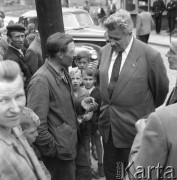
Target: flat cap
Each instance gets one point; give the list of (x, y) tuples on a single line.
[(15, 27)]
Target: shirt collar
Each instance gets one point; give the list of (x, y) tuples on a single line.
[(19, 50), (127, 50)]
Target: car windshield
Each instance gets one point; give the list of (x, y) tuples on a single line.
[(76, 20)]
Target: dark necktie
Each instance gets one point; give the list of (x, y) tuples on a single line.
[(115, 74)]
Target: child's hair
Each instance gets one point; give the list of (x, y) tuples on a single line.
[(28, 119), (75, 71), (83, 54)]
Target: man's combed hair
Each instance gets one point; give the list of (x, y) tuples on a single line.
[(83, 54), (9, 70), (121, 19)]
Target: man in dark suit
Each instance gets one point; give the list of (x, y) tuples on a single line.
[(133, 82), (171, 14), (111, 8), (158, 9), (16, 51)]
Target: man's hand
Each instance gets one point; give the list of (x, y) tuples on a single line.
[(88, 116), (89, 104)]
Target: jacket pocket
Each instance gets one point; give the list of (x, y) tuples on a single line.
[(66, 141)]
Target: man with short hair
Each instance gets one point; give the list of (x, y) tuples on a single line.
[(154, 147), (16, 51), (144, 25), (158, 8), (50, 96), (133, 82), (17, 160)]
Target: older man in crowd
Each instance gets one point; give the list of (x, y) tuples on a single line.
[(50, 96), (17, 160), (153, 154), (15, 50), (133, 82)]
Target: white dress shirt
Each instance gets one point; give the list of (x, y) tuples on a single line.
[(124, 57)]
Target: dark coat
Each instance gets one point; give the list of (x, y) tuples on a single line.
[(14, 55), (171, 9), (101, 14), (158, 8)]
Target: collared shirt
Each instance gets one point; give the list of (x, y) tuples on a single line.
[(124, 57), (19, 50)]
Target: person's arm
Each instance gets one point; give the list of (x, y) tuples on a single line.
[(38, 101), (152, 152), (32, 60), (158, 80), (138, 25)]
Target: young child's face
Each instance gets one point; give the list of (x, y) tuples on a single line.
[(82, 63), (88, 81), (31, 134), (76, 80)]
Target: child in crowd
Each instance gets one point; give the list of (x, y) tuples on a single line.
[(29, 123), (89, 80), (83, 168), (82, 60)]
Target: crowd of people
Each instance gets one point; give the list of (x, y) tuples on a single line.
[(56, 114)]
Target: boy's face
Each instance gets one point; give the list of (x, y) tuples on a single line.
[(76, 80), (88, 81), (82, 63), (31, 134)]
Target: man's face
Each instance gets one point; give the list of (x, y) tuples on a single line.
[(88, 81), (12, 101), (67, 59), (82, 63), (172, 59), (118, 40), (76, 80), (17, 39)]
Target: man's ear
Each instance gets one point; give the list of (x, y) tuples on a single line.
[(60, 54)]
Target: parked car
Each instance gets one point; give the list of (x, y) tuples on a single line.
[(79, 24)]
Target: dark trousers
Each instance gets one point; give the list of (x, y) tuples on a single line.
[(115, 160), (60, 169), (144, 38), (158, 23), (171, 23)]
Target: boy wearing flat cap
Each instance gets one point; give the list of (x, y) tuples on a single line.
[(15, 51)]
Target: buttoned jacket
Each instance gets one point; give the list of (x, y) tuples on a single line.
[(142, 86)]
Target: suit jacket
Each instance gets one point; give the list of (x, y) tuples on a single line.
[(144, 23), (33, 56), (14, 55), (142, 86), (173, 97), (171, 9), (158, 8), (158, 144), (18, 161), (101, 14)]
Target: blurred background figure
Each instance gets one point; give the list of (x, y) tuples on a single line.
[(158, 8), (144, 25), (3, 47), (111, 7), (30, 38), (171, 14), (86, 6), (101, 14)]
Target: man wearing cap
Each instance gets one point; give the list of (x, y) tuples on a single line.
[(155, 144), (50, 96), (16, 51)]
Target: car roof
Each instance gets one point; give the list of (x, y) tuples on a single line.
[(33, 13)]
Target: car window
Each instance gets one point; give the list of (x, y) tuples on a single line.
[(70, 21), (76, 20)]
